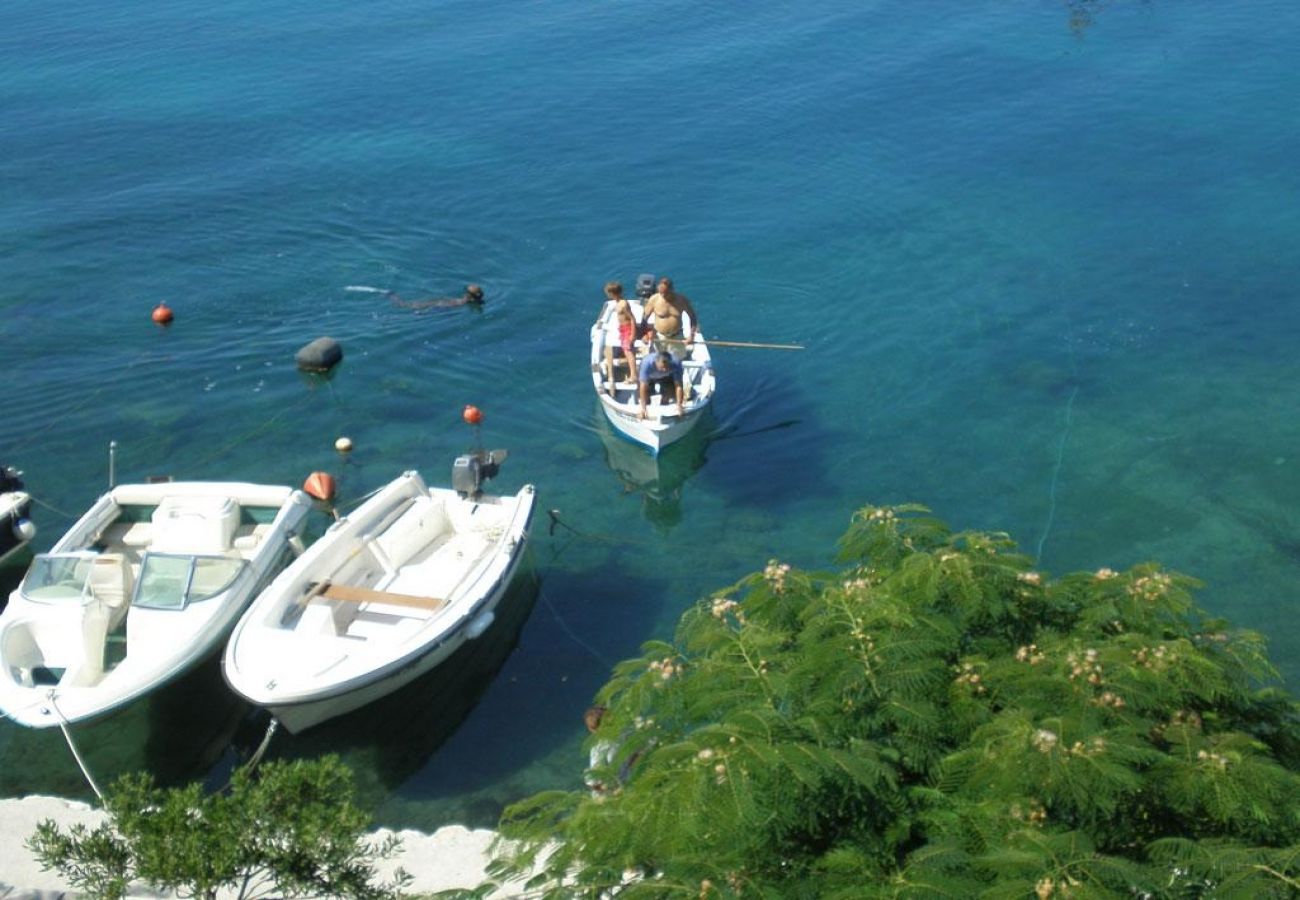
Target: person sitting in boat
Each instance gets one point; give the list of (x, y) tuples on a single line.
[(661, 373), (626, 335), (667, 308)]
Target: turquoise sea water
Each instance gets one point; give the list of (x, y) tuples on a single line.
[(1042, 256)]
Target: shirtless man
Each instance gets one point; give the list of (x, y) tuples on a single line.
[(667, 307)]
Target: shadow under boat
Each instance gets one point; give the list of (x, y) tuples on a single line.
[(658, 479), (177, 733), (387, 741)]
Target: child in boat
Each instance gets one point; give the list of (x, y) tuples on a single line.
[(626, 336)]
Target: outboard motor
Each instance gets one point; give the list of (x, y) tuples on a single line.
[(469, 471), (645, 286), (10, 479)]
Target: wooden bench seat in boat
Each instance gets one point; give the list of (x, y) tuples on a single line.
[(350, 594)]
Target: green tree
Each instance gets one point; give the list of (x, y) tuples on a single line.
[(288, 829), (937, 719)]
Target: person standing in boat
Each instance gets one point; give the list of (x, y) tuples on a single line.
[(660, 372), (626, 335), (666, 309)]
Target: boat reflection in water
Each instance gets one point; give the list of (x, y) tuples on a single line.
[(659, 479), (385, 742)]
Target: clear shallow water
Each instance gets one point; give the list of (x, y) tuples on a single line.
[(1045, 277)]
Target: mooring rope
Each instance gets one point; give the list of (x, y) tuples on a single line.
[(261, 749), (72, 745), (54, 509)]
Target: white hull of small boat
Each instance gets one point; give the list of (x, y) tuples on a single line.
[(619, 398), (385, 595), (145, 586)]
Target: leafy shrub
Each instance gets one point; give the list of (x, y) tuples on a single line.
[(936, 719), (290, 829)]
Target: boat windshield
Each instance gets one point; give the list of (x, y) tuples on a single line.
[(171, 581), (57, 577)]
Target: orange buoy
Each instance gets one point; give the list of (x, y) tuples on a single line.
[(472, 415), (320, 485), (162, 314)]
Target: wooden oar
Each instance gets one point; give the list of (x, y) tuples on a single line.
[(712, 343)]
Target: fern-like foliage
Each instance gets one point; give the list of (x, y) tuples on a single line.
[(937, 719)]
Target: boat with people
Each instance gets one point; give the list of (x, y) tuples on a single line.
[(617, 386), (146, 585), (390, 591), (16, 528)]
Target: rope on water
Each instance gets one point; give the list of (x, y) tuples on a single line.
[(600, 657), (54, 509), (261, 749), (556, 522), (1056, 473), (67, 736)]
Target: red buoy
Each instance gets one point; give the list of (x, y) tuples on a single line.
[(162, 314), (320, 485), (472, 415)]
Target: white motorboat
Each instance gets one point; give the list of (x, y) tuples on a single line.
[(145, 586), (16, 529), (618, 393), (385, 595)]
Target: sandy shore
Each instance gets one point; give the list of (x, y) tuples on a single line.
[(452, 857)]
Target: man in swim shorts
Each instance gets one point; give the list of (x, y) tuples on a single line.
[(663, 374), (667, 308)]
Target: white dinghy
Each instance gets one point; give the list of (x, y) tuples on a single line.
[(385, 595), (618, 392), (145, 586)]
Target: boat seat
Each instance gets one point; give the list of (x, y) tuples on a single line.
[(111, 581), (412, 532), (195, 524), (350, 594)]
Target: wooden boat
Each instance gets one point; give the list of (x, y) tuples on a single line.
[(385, 595), (16, 529), (145, 586), (619, 398)]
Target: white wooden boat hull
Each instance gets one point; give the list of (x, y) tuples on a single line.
[(143, 588), (662, 425), (307, 655)]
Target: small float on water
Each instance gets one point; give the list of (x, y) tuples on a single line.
[(16, 528)]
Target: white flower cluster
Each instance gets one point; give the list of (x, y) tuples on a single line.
[(1085, 666), (1045, 741), (1029, 653), (1151, 587), (775, 574), (1034, 813), (1157, 659), (722, 607), (667, 667), (1217, 760), (968, 676)]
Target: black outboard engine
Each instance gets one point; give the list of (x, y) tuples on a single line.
[(469, 471), (9, 479), (645, 286)]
